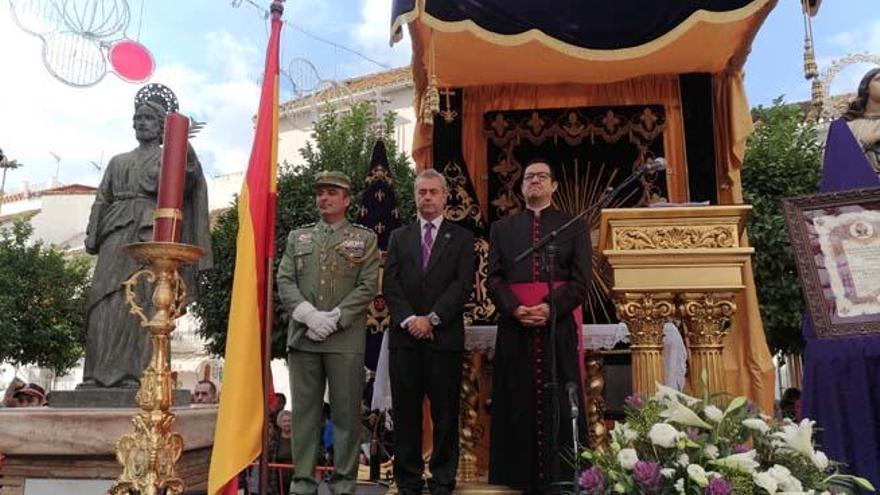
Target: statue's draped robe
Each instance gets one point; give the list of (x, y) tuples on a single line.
[(842, 375), (117, 347)]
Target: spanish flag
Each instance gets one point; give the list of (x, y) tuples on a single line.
[(239, 430)]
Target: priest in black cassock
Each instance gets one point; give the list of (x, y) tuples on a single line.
[(522, 414)]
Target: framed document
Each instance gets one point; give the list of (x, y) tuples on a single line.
[(835, 238)]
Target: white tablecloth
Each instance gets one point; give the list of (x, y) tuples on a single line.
[(597, 337)]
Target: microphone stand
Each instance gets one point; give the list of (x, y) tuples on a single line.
[(572, 389), (547, 245)]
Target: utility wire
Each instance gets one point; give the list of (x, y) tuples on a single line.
[(305, 32)]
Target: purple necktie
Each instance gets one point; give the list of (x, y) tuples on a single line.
[(427, 243)]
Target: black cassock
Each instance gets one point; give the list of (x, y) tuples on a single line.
[(522, 416)]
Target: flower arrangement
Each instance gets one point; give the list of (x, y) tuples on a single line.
[(672, 443)]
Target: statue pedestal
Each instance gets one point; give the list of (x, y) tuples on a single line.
[(46, 445), (91, 398)]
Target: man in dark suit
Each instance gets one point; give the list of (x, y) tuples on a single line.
[(429, 273)]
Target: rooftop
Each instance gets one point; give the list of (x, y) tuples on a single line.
[(28, 193), (354, 86)]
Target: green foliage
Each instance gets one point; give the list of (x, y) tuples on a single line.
[(782, 160), (43, 299), (340, 141)]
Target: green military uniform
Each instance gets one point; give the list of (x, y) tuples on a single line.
[(328, 266)]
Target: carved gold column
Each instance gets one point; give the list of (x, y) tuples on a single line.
[(644, 315), (596, 432), (707, 318), (469, 430), (148, 455)]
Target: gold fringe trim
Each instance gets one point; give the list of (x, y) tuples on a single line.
[(399, 21)]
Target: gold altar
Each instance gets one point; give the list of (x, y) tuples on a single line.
[(682, 263)]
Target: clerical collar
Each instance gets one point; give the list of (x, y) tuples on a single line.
[(436, 222), (537, 211)]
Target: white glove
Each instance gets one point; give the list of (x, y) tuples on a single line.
[(306, 313), (325, 325)]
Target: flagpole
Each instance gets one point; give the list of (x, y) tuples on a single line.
[(267, 377), (277, 9)]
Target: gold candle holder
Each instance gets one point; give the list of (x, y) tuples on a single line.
[(148, 454)]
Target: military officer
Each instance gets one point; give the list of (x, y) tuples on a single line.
[(328, 276)]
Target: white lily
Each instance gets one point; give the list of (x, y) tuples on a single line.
[(766, 481), (797, 437), (676, 412), (744, 462), (698, 474), (713, 413), (786, 482), (663, 435), (756, 424), (669, 394)]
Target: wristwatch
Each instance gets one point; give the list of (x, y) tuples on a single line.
[(433, 318)]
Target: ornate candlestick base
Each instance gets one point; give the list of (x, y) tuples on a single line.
[(148, 455)]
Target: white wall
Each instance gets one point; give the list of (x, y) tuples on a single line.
[(223, 188), (63, 218)]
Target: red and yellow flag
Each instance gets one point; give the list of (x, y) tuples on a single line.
[(238, 434)]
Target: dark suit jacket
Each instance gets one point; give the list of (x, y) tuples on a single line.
[(443, 289)]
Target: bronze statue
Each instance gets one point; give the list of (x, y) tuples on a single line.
[(863, 117), (117, 348)]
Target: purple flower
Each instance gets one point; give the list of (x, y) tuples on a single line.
[(635, 401), (718, 486), (739, 449), (692, 433), (647, 475), (592, 480)]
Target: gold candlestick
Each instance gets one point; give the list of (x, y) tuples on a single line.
[(148, 455)]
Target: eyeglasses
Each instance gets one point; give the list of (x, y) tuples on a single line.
[(541, 176)]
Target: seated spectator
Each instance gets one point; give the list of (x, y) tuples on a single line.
[(204, 393), (282, 454), (9, 399), (789, 405), (31, 395)]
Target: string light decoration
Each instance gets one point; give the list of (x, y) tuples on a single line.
[(83, 40)]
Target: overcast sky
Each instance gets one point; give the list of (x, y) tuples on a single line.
[(210, 52)]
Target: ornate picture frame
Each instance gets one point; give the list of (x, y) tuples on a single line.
[(835, 238)]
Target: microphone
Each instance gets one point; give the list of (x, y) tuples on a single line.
[(572, 388), (655, 165)]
